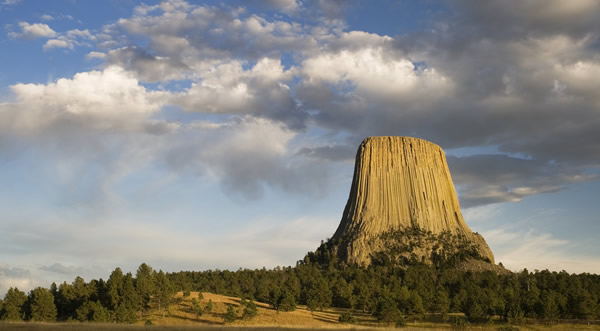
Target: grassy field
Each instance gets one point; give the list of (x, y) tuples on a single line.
[(181, 317)]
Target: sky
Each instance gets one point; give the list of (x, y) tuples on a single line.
[(195, 135)]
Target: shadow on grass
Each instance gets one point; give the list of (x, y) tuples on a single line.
[(94, 326)]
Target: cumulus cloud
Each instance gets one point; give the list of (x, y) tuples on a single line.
[(464, 82), (493, 178), (92, 129), (246, 155), (107, 93), (147, 67), (95, 55), (57, 43), (33, 31), (371, 72), (70, 39), (14, 277), (261, 90), (287, 6), (501, 19)]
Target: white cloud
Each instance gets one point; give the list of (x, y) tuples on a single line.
[(374, 73), (33, 31), (57, 43), (287, 6), (538, 250), (110, 92), (70, 39), (228, 88), (14, 277), (10, 2), (95, 55), (47, 17), (245, 154)]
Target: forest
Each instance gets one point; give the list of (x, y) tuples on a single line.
[(389, 292)]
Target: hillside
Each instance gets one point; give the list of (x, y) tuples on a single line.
[(181, 313)]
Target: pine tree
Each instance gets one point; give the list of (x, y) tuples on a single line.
[(230, 315), (13, 308), (40, 305), (286, 302), (126, 312), (250, 310), (196, 308), (163, 291), (114, 286), (144, 286)]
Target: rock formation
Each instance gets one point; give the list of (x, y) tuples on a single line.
[(402, 189)]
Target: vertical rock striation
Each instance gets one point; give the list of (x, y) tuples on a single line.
[(400, 183)]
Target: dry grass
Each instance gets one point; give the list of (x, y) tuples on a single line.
[(181, 314)]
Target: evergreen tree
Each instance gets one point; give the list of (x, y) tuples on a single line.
[(550, 306), (250, 310), (126, 312), (114, 286), (387, 311), (144, 286), (40, 305), (342, 294), (13, 307), (347, 318), (99, 313), (318, 295), (286, 302), (93, 311), (163, 291), (209, 306), (196, 308), (441, 301), (230, 315)]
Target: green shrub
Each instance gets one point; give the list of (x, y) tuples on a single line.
[(347, 317)]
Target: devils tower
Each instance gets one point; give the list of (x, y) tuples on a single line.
[(403, 200)]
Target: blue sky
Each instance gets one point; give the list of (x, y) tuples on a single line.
[(205, 134)]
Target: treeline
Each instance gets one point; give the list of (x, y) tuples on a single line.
[(122, 298), (389, 292)]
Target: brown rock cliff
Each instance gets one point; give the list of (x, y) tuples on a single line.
[(400, 183)]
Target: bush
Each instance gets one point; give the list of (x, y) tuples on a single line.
[(347, 317), (250, 310), (286, 302), (230, 315), (400, 322)]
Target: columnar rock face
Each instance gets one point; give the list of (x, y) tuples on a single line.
[(400, 183)]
